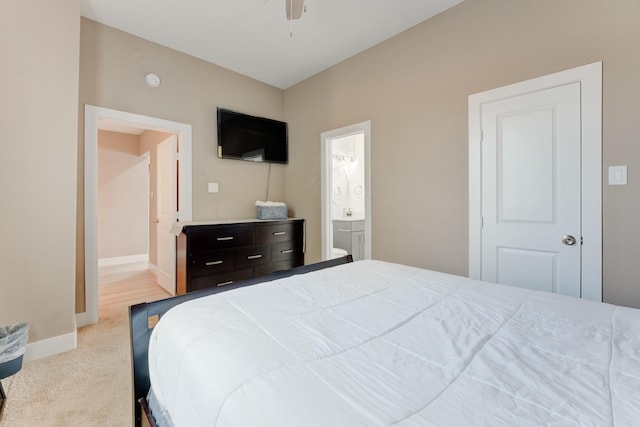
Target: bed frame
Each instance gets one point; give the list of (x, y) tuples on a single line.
[(143, 317)]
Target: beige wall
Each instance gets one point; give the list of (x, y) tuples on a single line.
[(414, 88), (123, 196), (112, 69), (39, 41)]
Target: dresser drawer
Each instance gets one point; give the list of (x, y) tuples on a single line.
[(285, 251), (220, 237), (209, 262), (221, 279), (255, 255), (274, 233)]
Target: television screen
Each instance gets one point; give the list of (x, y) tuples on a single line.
[(245, 137)]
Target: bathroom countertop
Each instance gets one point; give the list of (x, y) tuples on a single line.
[(349, 218)]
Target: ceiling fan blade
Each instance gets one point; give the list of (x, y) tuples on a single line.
[(294, 9)]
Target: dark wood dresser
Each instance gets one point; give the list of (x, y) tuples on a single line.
[(221, 253)]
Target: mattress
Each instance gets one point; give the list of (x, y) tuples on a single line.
[(380, 344)]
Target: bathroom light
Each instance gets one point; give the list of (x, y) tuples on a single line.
[(152, 79)]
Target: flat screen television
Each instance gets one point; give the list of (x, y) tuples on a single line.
[(245, 137)]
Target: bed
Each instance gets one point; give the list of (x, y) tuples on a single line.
[(373, 343)]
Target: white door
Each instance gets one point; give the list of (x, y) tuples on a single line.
[(531, 190), (167, 207)]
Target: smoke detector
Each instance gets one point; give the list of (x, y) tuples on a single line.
[(152, 79)]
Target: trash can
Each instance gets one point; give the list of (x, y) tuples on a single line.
[(13, 343)]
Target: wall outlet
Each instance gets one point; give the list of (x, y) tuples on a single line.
[(213, 187)]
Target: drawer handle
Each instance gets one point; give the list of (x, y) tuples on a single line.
[(254, 257), (344, 230), (213, 263), (279, 233), (286, 251), (222, 239), (224, 283)]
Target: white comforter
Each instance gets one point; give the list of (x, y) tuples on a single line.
[(378, 344)]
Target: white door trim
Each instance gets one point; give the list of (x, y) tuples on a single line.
[(590, 78), (325, 168), (92, 116)]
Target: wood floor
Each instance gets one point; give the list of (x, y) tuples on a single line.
[(123, 285)]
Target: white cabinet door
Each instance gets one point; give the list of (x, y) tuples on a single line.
[(357, 245)]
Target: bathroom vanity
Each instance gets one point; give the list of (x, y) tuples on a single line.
[(348, 234)]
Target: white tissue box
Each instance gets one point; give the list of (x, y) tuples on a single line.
[(271, 211)]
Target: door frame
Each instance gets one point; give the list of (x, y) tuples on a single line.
[(92, 116), (590, 78), (326, 184)]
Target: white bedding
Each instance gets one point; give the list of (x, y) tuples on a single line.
[(377, 344)]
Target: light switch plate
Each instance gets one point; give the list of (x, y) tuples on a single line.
[(618, 175), (213, 187)]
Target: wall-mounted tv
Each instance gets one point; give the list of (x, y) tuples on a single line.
[(245, 137)]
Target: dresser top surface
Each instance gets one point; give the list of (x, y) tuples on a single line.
[(177, 228)]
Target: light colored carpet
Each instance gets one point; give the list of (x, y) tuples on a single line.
[(89, 386)]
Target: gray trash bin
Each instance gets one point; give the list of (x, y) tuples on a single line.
[(13, 343)]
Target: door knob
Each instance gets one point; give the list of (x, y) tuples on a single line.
[(156, 221), (568, 240)]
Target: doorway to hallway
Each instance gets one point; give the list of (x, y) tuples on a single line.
[(94, 118)]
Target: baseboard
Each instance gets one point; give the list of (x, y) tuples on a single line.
[(51, 346), (153, 268), (103, 262), (86, 319)]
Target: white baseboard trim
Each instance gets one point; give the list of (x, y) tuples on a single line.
[(86, 319), (103, 262), (153, 268), (51, 346)]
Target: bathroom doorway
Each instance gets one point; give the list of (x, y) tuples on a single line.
[(346, 192)]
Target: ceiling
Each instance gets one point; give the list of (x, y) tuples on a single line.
[(253, 37)]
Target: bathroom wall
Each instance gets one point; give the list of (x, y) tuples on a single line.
[(348, 176)]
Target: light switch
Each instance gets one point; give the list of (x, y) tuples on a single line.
[(213, 187), (618, 175)]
